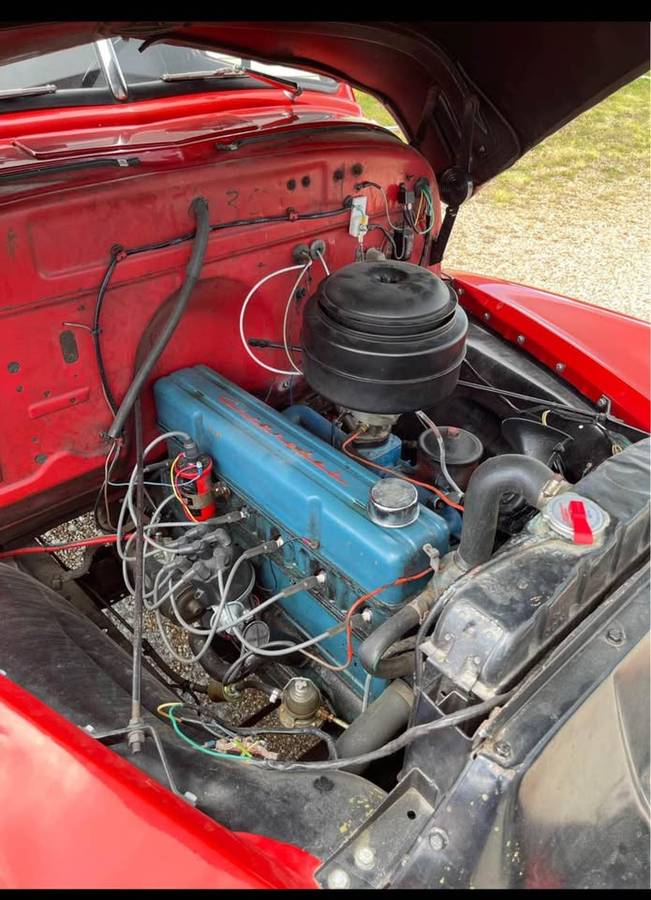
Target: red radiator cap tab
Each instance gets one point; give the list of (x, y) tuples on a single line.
[(576, 518), (579, 520)]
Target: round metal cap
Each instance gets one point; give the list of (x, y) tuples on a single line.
[(393, 503), (556, 514), (257, 633)]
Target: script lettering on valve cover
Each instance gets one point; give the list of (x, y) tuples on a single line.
[(264, 426)]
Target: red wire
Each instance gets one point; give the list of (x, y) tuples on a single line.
[(54, 548), (396, 474), (357, 604)]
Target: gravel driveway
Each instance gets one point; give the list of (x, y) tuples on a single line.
[(582, 243)]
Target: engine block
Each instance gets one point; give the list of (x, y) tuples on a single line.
[(297, 486)]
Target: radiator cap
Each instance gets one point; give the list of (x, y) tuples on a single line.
[(557, 513), (393, 503)]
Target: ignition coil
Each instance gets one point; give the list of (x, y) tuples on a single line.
[(193, 481)]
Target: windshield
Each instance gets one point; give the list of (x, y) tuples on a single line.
[(115, 70)]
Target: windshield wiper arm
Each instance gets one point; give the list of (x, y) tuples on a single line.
[(283, 83), (230, 72), (35, 91)]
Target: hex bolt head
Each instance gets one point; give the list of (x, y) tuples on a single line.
[(364, 858), (486, 317), (438, 839), (520, 339), (503, 749), (338, 880), (560, 366), (615, 636)]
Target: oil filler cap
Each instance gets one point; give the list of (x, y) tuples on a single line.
[(393, 503), (576, 518)]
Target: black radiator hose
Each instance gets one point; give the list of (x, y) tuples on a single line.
[(509, 473), (199, 207), (383, 719), (372, 651)]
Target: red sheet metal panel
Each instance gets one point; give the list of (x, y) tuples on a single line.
[(599, 351), (76, 815)]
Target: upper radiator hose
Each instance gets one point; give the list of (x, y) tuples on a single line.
[(513, 473)]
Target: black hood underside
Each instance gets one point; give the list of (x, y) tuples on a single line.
[(524, 80)]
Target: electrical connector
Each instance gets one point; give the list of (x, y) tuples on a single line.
[(420, 185), (358, 218), (406, 196)]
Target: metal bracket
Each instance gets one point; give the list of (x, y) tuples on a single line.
[(110, 737), (376, 850)]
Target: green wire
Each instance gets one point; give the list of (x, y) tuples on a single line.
[(188, 740)]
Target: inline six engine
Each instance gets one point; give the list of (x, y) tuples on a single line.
[(380, 339)]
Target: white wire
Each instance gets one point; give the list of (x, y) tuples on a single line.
[(211, 632), (108, 468), (323, 262), (288, 307), (286, 317), (367, 692), (427, 230), (439, 440), (288, 650), (126, 559), (132, 478), (186, 660), (129, 500), (386, 207), (164, 572), (158, 484), (250, 613), (247, 300)]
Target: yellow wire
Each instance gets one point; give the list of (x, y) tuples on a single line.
[(240, 746), (163, 706), (420, 208), (176, 493)]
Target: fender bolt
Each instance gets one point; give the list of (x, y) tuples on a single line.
[(438, 839), (503, 749), (615, 636), (338, 880), (365, 858)]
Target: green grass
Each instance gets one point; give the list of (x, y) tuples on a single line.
[(373, 109), (610, 142)]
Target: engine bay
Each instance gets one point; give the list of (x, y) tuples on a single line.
[(387, 519)]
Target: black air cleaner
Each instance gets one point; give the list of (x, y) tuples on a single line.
[(383, 337)]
